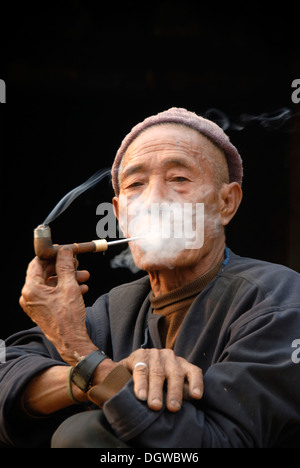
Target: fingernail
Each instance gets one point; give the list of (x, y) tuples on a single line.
[(175, 404), (197, 392), (156, 402), (143, 395), (66, 252)]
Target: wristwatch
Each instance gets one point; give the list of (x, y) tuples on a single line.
[(82, 373)]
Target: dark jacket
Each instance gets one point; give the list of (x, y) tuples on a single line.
[(240, 330)]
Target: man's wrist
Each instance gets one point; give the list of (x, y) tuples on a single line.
[(82, 373), (101, 371), (76, 353), (110, 386)]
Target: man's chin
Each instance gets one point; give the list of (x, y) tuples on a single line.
[(155, 261)]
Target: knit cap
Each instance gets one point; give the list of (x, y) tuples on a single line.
[(184, 117)]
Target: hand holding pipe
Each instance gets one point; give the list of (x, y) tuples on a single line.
[(45, 250)]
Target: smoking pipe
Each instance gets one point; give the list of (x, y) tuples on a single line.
[(45, 250)]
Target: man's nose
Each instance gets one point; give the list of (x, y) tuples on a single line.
[(156, 191)]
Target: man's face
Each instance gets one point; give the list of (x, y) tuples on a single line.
[(167, 166)]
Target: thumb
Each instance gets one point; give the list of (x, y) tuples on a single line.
[(65, 265)]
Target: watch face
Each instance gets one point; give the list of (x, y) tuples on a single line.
[(79, 381), (83, 371)]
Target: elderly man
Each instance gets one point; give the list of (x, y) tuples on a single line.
[(139, 352)]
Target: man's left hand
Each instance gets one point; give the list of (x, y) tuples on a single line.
[(151, 368)]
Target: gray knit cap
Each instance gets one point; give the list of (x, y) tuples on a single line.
[(190, 119)]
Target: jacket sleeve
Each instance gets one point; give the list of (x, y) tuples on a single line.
[(28, 353), (251, 395)]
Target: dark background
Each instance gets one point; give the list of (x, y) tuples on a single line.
[(79, 75)]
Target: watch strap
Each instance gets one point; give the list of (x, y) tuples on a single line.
[(82, 373)]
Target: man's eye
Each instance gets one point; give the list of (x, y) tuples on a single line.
[(179, 179), (135, 184)]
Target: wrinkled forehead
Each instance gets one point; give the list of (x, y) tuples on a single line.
[(169, 141)]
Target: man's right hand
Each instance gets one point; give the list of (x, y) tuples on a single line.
[(56, 305)]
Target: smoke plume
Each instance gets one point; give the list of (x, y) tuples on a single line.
[(66, 201), (268, 120)]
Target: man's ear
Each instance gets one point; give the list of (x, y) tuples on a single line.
[(230, 199), (115, 202)]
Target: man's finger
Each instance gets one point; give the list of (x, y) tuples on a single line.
[(175, 380), (137, 363), (65, 265), (82, 276), (35, 271), (83, 288), (194, 378), (140, 378), (49, 270), (156, 381)]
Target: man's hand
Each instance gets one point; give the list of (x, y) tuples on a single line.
[(56, 305), (184, 380)]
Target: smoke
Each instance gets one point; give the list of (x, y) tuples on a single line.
[(180, 224), (166, 229), (271, 121), (66, 201), (124, 260)]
